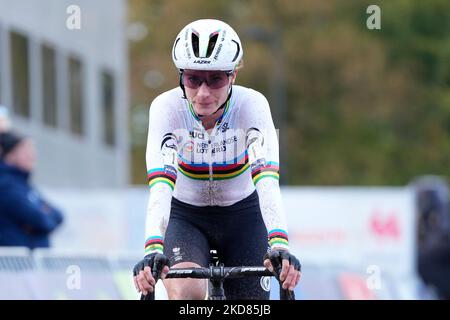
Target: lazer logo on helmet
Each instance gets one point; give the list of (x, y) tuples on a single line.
[(219, 48), (202, 61), (223, 35)]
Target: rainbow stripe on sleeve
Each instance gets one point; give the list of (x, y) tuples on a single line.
[(159, 175), (270, 170), (278, 238), (154, 244)]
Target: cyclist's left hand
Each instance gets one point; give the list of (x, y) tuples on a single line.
[(290, 267)]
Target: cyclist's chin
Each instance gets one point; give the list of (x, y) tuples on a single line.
[(205, 108)]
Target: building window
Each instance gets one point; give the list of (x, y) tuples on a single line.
[(20, 74), (108, 108), (76, 96), (49, 86)]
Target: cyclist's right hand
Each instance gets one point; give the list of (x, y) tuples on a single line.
[(143, 272)]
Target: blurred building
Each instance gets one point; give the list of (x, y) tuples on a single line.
[(64, 76)]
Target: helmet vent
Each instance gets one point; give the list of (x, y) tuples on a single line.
[(211, 44), (237, 51), (174, 46), (195, 44)]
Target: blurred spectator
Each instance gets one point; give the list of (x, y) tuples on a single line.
[(25, 218), (5, 122), (434, 233)]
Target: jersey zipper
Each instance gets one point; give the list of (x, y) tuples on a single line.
[(210, 160), (210, 152)]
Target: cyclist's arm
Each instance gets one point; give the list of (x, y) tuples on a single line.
[(262, 148), (161, 159)]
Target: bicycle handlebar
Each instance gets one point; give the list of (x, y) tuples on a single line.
[(218, 272), (222, 273)]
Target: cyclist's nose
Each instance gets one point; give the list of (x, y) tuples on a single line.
[(203, 90)]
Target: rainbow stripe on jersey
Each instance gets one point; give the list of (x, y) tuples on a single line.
[(270, 170), (154, 244), (278, 238), (159, 175), (220, 171)]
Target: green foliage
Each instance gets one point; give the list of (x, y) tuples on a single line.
[(363, 107)]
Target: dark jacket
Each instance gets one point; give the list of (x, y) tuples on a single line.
[(25, 218)]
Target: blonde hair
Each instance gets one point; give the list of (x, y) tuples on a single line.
[(240, 65)]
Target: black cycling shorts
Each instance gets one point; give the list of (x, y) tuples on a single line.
[(237, 232)]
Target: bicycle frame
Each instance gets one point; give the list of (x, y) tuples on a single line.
[(217, 275)]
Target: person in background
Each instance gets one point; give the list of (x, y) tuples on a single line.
[(26, 219), (433, 256)]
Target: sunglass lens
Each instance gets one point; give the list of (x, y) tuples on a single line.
[(214, 81)]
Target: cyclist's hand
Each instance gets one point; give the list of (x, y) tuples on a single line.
[(143, 277), (290, 267)]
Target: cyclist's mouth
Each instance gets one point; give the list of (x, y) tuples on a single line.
[(204, 105)]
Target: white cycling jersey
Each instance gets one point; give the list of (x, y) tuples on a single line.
[(215, 168)]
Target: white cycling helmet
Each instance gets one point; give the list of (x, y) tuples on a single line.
[(207, 44)]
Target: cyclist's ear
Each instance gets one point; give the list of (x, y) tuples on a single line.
[(233, 76)]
